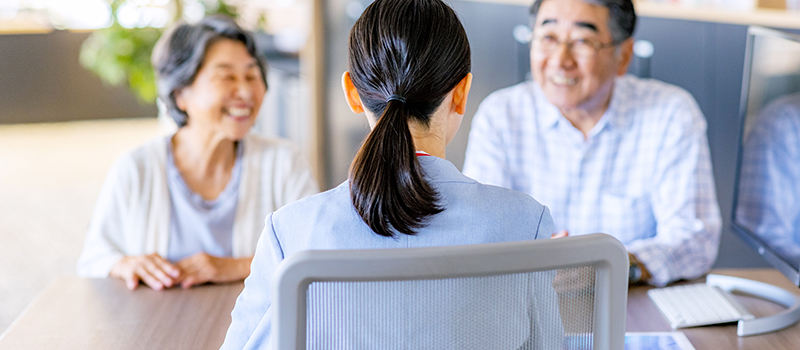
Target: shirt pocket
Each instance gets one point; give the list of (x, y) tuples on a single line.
[(627, 217)]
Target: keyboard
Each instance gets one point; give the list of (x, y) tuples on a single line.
[(697, 305)]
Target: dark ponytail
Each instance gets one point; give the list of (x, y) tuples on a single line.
[(405, 56)]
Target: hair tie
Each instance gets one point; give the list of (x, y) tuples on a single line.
[(396, 98)]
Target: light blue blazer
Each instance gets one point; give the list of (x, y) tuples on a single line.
[(474, 213)]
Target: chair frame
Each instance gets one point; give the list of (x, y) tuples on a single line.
[(603, 252)]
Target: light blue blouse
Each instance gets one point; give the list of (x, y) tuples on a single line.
[(474, 213), (198, 225)]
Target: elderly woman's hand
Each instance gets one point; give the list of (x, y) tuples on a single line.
[(154, 270), (202, 268)]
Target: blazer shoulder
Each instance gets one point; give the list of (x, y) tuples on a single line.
[(328, 202), (513, 199), (495, 199)]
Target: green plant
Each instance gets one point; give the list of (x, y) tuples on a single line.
[(120, 55)]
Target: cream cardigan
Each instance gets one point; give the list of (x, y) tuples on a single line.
[(132, 213)]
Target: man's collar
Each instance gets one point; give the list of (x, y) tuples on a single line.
[(615, 115), (621, 99), (547, 114)]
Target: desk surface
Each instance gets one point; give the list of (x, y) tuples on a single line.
[(644, 317), (76, 313)]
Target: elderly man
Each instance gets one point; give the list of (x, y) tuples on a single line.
[(606, 152)]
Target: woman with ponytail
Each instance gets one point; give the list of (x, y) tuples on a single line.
[(409, 73)]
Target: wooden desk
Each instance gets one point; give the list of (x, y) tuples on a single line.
[(644, 317), (76, 313)]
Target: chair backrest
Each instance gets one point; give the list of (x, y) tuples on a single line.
[(567, 293)]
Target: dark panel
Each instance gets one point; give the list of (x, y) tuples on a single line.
[(498, 61), (41, 80), (679, 56)]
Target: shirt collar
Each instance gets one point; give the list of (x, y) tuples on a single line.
[(615, 116), (548, 115), (617, 113)]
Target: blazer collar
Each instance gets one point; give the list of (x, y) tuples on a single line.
[(441, 170)]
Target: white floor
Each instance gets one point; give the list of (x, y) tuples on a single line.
[(50, 175)]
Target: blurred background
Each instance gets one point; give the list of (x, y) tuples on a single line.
[(77, 89)]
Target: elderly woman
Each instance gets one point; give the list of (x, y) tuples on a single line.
[(188, 208)]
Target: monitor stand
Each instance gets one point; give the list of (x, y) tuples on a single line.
[(764, 291)]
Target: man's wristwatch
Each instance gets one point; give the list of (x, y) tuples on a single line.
[(634, 272)]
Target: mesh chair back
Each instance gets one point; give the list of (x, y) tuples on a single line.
[(568, 293)]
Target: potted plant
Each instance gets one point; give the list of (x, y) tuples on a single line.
[(120, 53)]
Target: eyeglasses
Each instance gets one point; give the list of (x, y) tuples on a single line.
[(582, 48)]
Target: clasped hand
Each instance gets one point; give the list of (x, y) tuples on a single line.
[(158, 273)]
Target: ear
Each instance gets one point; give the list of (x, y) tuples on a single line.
[(180, 99), (460, 94), (625, 56), (351, 95)]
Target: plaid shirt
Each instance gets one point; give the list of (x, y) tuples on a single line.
[(643, 174)]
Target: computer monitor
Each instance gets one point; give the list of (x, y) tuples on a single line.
[(766, 212)]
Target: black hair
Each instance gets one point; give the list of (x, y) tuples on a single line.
[(182, 49), (621, 17), (405, 56)]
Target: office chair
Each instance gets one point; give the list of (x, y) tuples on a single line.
[(567, 293)]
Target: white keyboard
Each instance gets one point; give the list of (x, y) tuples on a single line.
[(697, 305)]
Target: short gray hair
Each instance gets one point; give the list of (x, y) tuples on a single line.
[(181, 51), (621, 17)]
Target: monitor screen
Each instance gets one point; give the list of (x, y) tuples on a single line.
[(766, 211)]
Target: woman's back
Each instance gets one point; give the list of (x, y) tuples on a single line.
[(473, 213), (423, 314), (505, 309)]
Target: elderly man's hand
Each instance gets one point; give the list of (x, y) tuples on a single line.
[(152, 269), (203, 268), (645, 274)]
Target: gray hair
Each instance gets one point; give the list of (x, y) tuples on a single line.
[(181, 51), (621, 17)]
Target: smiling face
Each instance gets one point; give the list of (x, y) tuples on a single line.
[(571, 81), (227, 92)]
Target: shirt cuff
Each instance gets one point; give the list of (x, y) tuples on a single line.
[(656, 260)]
